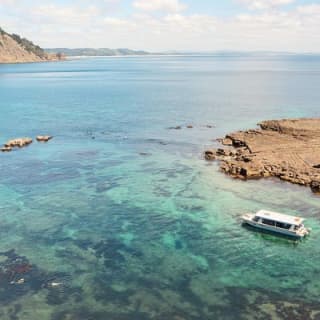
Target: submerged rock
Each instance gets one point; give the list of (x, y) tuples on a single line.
[(287, 149), (315, 186)]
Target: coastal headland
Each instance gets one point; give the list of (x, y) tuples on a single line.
[(15, 49), (288, 149)]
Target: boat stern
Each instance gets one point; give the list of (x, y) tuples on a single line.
[(303, 232)]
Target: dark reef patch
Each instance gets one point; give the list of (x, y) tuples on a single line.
[(18, 276), (178, 244), (263, 304), (103, 292), (105, 186), (63, 293), (38, 172), (87, 314), (114, 253)]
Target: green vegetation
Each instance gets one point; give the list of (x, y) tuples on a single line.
[(2, 32), (29, 45), (25, 43)]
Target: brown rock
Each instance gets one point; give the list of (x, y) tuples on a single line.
[(6, 149), (221, 152), (44, 138), (19, 142), (251, 172), (315, 186), (227, 142), (287, 149), (210, 155)]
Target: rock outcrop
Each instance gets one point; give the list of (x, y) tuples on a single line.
[(287, 149), (43, 138), (16, 143), (22, 142), (19, 142)]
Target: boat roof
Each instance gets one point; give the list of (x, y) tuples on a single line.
[(279, 217)]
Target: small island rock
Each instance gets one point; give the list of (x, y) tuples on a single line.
[(19, 142), (44, 138), (288, 149)]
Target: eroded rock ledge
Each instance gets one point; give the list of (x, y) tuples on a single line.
[(287, 149)]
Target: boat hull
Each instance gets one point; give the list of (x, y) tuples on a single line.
[(247, 219), (273, 230)]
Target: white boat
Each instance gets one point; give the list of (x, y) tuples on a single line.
[(277, 222)]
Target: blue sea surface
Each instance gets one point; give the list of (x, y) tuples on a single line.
[(119, 217)]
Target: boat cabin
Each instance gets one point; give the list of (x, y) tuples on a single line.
[(278, 219), (277, 222)]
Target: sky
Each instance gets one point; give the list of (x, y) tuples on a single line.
[(166, 25)]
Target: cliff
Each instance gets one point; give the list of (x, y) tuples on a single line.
[(14, 49)]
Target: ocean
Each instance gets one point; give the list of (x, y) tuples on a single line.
[(119, 216)]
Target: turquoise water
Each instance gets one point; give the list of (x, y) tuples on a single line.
[(119, 217)]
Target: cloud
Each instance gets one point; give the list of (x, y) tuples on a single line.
[(7, 2), (52, 24), (195, 24), (116, 22), (312, 9), (63, 14), (159, 5), (265, 4)]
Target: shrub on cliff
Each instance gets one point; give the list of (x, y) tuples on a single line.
[(29, 45)]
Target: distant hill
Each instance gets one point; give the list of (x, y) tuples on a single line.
[(14, 49), (96, 52)]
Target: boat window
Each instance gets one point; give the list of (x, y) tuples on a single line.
[(268, 222), (256, 219), (283, 225)]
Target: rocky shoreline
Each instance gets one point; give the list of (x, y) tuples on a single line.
[(288, 149)]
